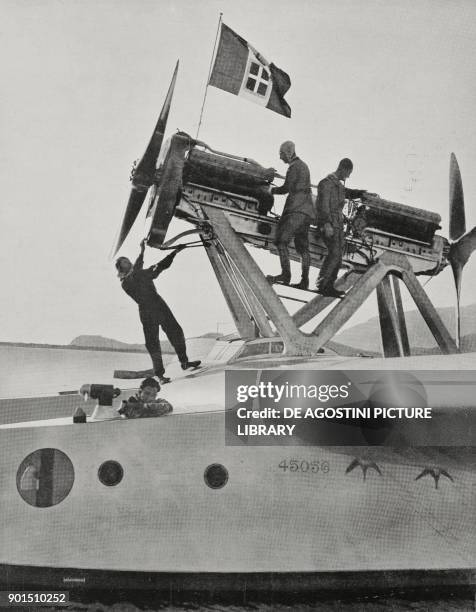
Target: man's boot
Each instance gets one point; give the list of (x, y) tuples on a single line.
[(329, 291), (159, 371), (281, 279), (186, 365), (303, 283), (285, 276)]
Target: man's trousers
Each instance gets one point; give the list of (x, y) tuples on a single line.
[(331, 265), (294, 225), (154, 318)]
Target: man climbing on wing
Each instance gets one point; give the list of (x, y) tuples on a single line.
[(153, 311), (331, 196), (297, 216)]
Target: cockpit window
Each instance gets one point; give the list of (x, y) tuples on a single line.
[(252, 350), (261, 349)]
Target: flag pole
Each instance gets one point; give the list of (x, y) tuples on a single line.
[(209, 74)]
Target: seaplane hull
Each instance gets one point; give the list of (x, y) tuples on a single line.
[(252, 522)]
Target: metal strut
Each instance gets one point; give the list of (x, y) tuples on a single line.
[(239, 311), (257, 314)]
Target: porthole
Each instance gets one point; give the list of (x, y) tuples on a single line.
[(110, 473), (216, 476), (45, 477)]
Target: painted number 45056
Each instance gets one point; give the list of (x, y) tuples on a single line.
[(298, 465)]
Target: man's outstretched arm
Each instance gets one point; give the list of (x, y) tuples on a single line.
[(165, 263), (289, 181), (139, 262), (352, 194)]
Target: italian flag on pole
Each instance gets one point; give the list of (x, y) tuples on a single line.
[(242, 71)]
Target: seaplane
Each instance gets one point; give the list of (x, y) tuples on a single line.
[(179, 502)]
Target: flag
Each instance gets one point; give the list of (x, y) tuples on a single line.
[(242, 71)]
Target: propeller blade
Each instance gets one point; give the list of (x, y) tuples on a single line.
[(143, 176), (457, 216), (457, 273), (134, 204), (147, 163), (460, 252)]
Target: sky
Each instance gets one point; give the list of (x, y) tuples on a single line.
[(390, 84)]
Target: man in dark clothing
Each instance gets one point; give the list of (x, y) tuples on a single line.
[(331, 196), (297, 216), (153, 311)]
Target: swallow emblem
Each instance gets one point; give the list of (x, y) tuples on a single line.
[(365, 465), (435, 473)]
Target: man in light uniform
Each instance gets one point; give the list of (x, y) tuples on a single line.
[(331, 196), (297, 216)]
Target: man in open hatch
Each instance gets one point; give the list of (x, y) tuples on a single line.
[(145, 402), (153, 311)]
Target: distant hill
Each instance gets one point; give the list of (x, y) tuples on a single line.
[(86, 341), (366, 336), (468, 345), (199, 346), (363, 338)]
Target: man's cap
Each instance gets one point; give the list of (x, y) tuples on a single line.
[(118, 261), (346, 164)]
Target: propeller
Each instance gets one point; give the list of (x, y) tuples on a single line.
[(143, 175), (463, 243), (457, 215)]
